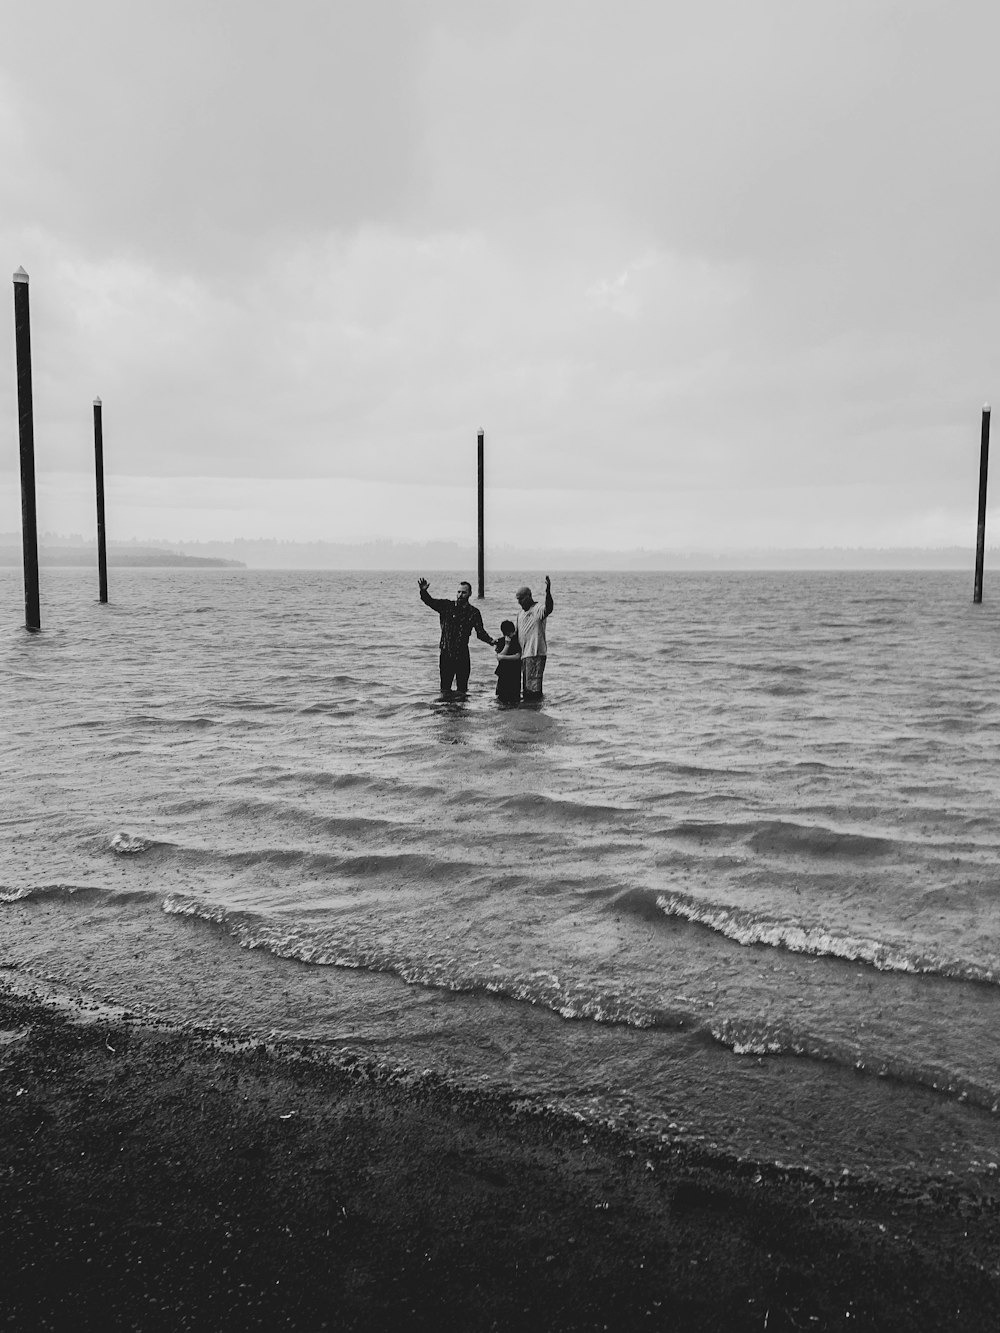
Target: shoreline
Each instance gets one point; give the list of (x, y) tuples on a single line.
[(159, 1178)]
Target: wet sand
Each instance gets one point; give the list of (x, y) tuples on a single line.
[(150, 1179)]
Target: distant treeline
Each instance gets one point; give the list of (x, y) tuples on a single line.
[(119, 557)]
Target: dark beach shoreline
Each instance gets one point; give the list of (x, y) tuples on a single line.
[(155, 1179)]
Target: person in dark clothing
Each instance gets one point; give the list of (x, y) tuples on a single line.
[(508, 664), (458, 620)]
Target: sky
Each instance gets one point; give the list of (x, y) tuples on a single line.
[(709, 276)]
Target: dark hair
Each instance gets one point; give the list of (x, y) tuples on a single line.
[(464, 583), (506, 627)]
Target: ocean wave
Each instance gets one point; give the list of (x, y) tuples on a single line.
[(559, 809), (398, 868), (671, 768), (24, 892), (352, 948), (746, 927), (238, 703), (82, 893), (198, 723), (305, 780), (703, 831), (785, 837), (130, 844), (379, 952), (188, 805), (759, 1037), (815, 840), (260, 811)]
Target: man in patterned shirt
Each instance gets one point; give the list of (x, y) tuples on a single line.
[(458, 620)]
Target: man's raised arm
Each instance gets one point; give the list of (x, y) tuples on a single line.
[(549, 603), (435, 603)]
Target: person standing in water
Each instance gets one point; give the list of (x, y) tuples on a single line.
[(508, 664), (531, 622), (458, 620)]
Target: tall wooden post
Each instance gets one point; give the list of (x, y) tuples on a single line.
[(482, 559), (26, 431), (984, 461), (102, 552)]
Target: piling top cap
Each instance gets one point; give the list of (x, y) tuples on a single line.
[(97, 402), (986, 407), (20, 275)]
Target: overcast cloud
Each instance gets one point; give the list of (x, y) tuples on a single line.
[(708, 275)]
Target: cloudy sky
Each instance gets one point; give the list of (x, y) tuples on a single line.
[(709, 275)]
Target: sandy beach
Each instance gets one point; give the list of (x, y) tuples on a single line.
[(151, 1179)]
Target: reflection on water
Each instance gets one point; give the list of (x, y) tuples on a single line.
[(525, 727), (451, 714)]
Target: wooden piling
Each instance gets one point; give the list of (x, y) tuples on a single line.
[(102, 552), (26, 432), (482, 558), (984, 461)]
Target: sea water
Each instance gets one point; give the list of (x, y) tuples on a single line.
[(735, 881)]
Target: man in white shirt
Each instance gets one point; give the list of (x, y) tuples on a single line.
[(531, 633)]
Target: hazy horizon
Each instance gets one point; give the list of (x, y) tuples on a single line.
[(717, 275), (387, 554)]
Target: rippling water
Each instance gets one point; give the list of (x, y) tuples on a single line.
[(736, 879)]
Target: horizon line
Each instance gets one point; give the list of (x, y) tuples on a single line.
[(78, 539)]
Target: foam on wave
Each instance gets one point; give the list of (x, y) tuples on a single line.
[(39, 892), (743, 1036), (130, 844), (758, 1037), (746, 927), (352, 949)]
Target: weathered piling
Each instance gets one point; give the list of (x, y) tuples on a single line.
[(984, 462), (482, 556), (26, 432), (102, 551)]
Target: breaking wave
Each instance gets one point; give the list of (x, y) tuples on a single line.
[(746, 927), (352, 949), (758, 1037), (130, 844), (568, 999), (23, 892)]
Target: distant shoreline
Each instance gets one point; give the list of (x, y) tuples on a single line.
[(79, 557), (247, 553)]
